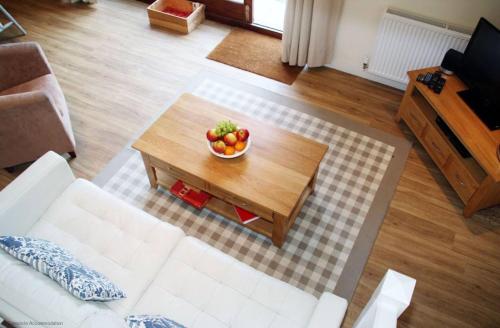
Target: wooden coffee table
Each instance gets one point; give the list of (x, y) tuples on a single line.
[(273, 179)]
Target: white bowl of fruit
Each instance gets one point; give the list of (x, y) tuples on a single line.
[(228, 140)]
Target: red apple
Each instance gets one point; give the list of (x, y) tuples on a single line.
[(219, 146), (211, 135), (242, 134), (230, 139)]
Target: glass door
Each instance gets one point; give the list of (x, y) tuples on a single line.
[(236, 12), (264, 16), (269, 14)]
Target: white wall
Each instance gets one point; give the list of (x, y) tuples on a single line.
[(359, 22)]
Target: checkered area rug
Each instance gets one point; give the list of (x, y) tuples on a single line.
[(319, 243)]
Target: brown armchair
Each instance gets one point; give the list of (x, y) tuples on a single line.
[(34, 117)]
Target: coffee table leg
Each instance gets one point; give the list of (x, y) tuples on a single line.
[(150, 170), (279, 230), (312, 184)]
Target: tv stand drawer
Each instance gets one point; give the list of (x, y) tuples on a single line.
[(436, 146), (460, 179), (413, 116)]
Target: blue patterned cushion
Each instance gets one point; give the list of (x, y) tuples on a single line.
[(57, 263), (151, 321)]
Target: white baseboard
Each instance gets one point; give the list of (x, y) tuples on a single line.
[(369, 76)]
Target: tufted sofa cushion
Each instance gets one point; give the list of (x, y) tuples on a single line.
[(41, 298), (124, 243), (200, 286)]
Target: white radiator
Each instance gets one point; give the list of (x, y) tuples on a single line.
[(406, 42)]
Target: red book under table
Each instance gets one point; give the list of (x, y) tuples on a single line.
[(196, 198)]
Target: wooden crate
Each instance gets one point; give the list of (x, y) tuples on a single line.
[(180, 24)]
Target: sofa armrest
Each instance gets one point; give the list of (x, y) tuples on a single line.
[(26, 198), (329, 312), (21, 62)]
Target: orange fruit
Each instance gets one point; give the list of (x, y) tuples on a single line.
[(240, 145), (229, 150)]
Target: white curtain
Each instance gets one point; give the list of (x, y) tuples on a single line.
[(309, 32)]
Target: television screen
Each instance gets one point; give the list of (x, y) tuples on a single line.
[(481, 73), (481, 61)]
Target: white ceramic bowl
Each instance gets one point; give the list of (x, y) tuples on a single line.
[(237, 154)]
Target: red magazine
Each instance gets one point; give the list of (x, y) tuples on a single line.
[(177, 12), (245, 216), (192, 196)]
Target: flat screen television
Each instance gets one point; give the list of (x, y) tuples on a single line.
[(480, 71)]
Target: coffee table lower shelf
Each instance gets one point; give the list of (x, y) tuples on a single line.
[(262, 225), (223, 208), (274, 226)]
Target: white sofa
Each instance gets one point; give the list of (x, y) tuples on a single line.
[(162, 270)]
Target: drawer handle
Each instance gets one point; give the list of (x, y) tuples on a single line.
[(413, 117), (171, 169), (437, 147), (234, 200), (459, 180)]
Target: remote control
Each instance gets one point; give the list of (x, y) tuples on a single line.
[(427, 78), (437, 88), (439, 85), (433, 81), (435, 77)]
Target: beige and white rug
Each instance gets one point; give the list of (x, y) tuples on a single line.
[(331, 240)]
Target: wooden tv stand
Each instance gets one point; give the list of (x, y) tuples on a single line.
[(475, 179)]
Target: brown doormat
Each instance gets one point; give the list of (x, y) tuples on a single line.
[(256, 53)]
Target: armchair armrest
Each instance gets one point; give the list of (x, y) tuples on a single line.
[(26, 198), (24, 99), (31, 125), (21, 62), (329, 312)]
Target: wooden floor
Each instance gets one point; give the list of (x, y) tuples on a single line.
[(117, 72)]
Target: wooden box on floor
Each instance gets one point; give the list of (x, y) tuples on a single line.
[(158, 17)]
